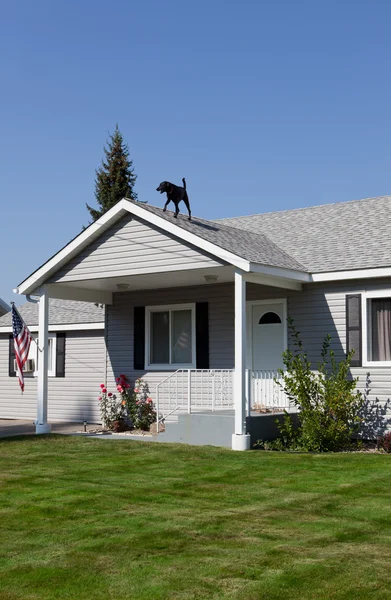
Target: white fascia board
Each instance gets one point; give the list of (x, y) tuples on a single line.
[(352, 274), (72, 248), (278, 282), (291, 274), (64, 327), (4, 305)]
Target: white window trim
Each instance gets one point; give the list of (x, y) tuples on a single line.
[(385, 293), (34, 355), (164, 308)]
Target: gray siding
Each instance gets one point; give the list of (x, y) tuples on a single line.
[(321, 310), (317, 311), (220, 298), (70, 398), (132, 247)]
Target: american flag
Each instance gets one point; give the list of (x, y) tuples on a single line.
[(22, 341)]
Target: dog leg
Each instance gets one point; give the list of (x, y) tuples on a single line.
[(166, 204), (186, 201)]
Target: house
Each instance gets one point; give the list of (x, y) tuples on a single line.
[(4, 307), (76, 362), (199, 308)]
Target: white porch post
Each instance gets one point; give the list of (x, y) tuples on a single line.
[(41, 424), (240, 439)]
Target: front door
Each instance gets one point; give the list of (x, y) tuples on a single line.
[(268, 339)]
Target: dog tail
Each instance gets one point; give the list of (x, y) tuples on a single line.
[(184, 182)]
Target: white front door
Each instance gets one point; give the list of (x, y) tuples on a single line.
[(268, 335)]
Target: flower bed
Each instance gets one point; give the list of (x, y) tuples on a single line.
[(127, 410)]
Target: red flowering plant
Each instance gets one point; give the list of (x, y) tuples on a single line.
[(113, 408), (134, 408), (144, 413)]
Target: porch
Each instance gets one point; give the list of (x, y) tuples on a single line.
[(204, 327)]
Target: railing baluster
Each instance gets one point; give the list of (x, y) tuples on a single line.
[(189, 391), (213, 391)]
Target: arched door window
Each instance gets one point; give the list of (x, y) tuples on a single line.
[(269, 318)]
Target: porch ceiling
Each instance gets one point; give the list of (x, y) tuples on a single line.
[(148, 281), (102, 289)]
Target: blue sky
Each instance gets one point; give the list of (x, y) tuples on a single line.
[(261, 105)]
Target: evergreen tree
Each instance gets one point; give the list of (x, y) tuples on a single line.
[(115, 178)]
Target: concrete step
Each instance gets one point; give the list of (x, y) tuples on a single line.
[(214, 429)]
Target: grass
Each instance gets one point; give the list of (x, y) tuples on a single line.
[(93, 519)]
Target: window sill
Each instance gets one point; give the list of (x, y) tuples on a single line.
[(379, 363), (168, 367)]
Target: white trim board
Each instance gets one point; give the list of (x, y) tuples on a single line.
[(352, 274), (63, 327), (5, 306)]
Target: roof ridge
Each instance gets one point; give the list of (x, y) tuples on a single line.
[(291, 210)]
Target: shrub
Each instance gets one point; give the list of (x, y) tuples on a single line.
[(329, 404), (143, 412), (384, 442), (135, 409), (112, 408)]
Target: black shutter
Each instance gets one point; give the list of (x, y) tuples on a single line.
[(11, 357), (60, 354), (202, 335), (139, 338), (354, 328)]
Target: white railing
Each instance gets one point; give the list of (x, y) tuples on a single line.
[(264, 391), (188, 390)]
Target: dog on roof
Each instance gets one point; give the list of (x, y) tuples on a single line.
[(175, 194)]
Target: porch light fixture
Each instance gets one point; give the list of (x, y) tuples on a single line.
[(122, 287), (211, 278)]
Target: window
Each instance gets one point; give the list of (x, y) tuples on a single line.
[(269, 318), (170, 336), (34, 353), (379, 329), (376, 328)]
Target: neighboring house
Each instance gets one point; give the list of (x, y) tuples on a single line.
[(76, 363), (199, 309), (4, 307)]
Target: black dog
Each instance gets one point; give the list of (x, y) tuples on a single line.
[(175, 194)]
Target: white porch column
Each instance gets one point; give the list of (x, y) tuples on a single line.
[(41, 424), (240, 439)]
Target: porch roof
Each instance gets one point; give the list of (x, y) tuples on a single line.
[(254, 247), (241, 249), (63, 314)]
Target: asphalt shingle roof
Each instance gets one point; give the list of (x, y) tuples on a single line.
[(255, 247), (61, 312), (331, 237)]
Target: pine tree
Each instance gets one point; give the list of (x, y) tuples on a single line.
[(115, 178)]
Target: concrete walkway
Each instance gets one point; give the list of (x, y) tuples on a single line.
[(12, 427)]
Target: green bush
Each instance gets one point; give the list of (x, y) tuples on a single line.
[(327, 399)]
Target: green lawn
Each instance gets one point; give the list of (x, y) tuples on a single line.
[(94, 519)]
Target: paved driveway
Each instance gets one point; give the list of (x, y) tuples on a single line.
[(11, 427)]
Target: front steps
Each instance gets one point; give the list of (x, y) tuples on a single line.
[(200, 429)]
